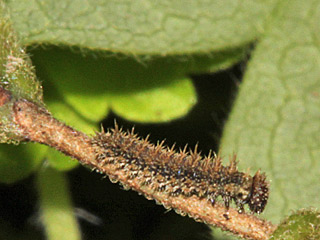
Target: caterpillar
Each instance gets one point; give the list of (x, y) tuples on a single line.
[(179, 173)]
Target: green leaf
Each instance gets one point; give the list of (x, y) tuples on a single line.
[(304, 224), (16, 77), (59, 161), (158, 27), (275, 122), (71, 79), (154, 92), (68, 115), (17, 162), (159, 104), (16, 71), (197, 64)]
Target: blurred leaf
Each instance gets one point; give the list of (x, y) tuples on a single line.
[(157, 104), (60, 161), (213, 62), (275, 122), (158, 27), (71, 79), (155, 91), (304, 224), (17, 162), (68, 115), (56, 208)]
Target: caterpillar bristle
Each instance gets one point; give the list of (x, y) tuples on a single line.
[(195, 156), (175, 173), (146, 139), (171, 150), (232, 168), (217, 163)]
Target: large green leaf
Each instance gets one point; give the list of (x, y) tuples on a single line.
[(156, 27), (275, 122)]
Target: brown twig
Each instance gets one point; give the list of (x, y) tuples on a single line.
[(36, 124)]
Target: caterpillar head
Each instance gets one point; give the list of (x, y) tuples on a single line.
[(241, 189), (259, 193), (238, 188)]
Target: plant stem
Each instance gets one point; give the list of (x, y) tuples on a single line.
[(36, 124), (56, 210)]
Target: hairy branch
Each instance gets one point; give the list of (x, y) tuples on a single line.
[(36, 124)]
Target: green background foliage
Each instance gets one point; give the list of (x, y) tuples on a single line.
[(303, 224), (135, 59), (275, 122), (158, 27)]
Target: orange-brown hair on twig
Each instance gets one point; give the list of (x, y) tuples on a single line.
[(183, 181), (180, 173)]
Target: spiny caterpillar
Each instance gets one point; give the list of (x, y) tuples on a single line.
[(179, 173)]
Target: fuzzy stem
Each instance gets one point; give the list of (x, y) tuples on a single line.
[(37, 125), (57, 213)]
